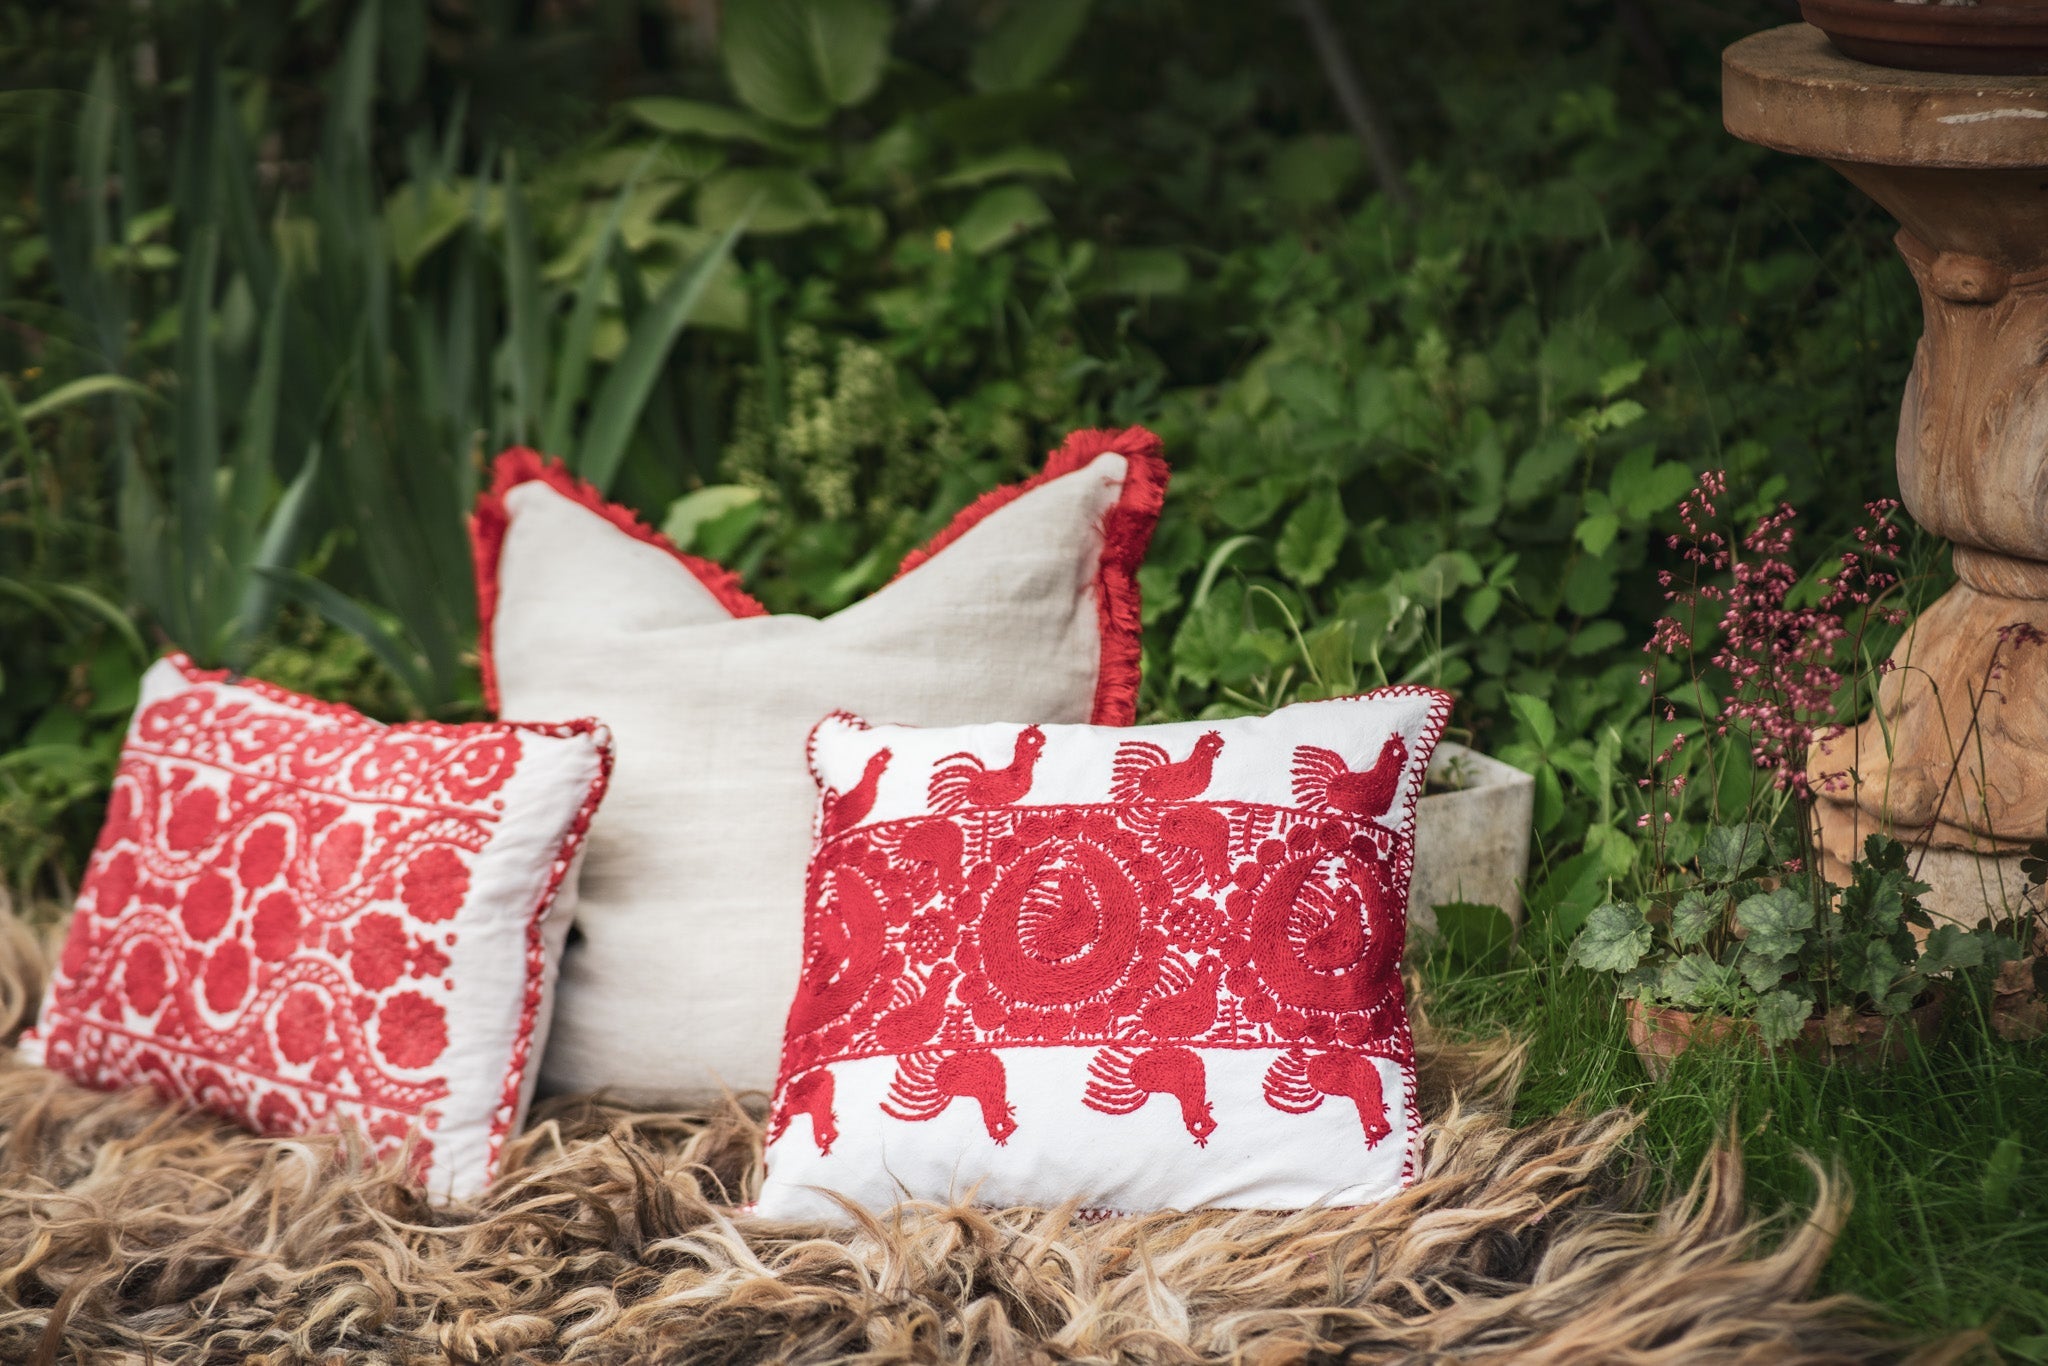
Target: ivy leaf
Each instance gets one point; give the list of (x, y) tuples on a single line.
[(1779, 1015), (1732, 850), (1615, 938), (1309, 543), (1775, 922), (1691, 918), (1696, 980)]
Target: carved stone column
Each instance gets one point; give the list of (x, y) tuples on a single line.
[(1962, 163)]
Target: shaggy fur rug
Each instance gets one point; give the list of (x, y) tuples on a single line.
[(131, 1233)]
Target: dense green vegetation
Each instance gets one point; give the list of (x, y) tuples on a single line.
[(271, 292)]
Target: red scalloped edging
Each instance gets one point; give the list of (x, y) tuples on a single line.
[(1126, 534), (487, 525), (570, 843)]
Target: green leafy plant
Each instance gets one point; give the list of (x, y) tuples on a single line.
[(1754, 937)]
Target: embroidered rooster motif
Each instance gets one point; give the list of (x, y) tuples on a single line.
[(1321, 778), (810, 1094), (841, 811), (1188, 1005), (913, 1016), (1142, 771), (1299, 1081), (936, 845), (963, 780), (1121, 1080), (926, 1083)]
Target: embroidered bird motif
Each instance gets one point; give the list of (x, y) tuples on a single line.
[(913, 1021), (1189, 1005), (1299, 1081), (1121, 1080), (926, 1083), (841, 811), (936, 844), (964, 780), (1142, 771), (1321, 778), (810, 1094)]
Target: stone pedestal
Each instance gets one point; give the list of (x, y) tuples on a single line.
[(1956, 756)]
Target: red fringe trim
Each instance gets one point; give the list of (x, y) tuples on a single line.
[(1126, 534), (487, 526)]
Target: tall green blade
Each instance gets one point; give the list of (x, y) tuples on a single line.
[(623, 395), (572, 363)]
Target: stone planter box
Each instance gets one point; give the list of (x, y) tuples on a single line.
[(1472, 841)]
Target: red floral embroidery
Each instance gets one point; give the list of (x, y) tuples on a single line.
[(1146, 930), (242, 939)]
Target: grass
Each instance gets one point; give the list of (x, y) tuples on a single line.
[(1944, 1152)]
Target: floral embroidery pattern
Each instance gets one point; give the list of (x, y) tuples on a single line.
[(264, 926), (1149, 929)]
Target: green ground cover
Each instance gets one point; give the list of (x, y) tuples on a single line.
[(271, 290)]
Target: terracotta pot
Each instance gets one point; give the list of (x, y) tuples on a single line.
[(1869, 1040), (1996, 38), (1661, 1033)]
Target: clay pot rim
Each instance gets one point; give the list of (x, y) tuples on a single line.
[(2003, 38)]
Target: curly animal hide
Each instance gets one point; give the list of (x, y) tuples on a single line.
[(131, 1233)]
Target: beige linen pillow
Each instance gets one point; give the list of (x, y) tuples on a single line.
[(690, 920)]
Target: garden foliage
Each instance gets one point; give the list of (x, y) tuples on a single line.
[(272, 290)]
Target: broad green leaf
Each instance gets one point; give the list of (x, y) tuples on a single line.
[(1763, 972), (1136, 272), (1779, 1015), (1729, 851), (694, 118), (1949, 947), (1697, 981), (1614, 849), (1311, 172), (1775, 922), (1311, 539), (797, 61), (1597, 531), (1026, 45), (1615, 938), (781, 200), (260, 590), (694, 509), (419, 218), (1536, 717), (1692, 918), (999, 216), (1011, 161)]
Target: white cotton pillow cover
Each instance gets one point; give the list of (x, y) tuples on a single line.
[(689, 921), (1133, 968)]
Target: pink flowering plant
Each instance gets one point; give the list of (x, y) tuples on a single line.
[(1762, 662)]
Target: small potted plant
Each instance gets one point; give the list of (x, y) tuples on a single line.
[(1736, 935), (1757, 947)]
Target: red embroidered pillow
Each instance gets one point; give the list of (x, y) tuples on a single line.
[(299, 918), (1139, 968)]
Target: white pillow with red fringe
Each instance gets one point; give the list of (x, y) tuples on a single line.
[(691, 914), (1136, 969), (303, 919)]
